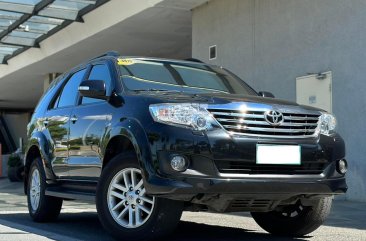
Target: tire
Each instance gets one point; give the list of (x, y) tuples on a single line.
[(41, 208), (295, 220), (164, 214)]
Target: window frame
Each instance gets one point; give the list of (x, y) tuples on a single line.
[(56, 98), (86, 77)]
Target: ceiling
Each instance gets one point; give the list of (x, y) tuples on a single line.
[(25, 23), (144, 27)]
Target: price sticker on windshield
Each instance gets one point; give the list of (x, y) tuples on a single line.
[(125, 62)]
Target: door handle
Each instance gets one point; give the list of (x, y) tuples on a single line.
[(74, 119)]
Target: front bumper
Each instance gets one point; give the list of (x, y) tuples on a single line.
[(255, 187), (223, 166), (255, 194)]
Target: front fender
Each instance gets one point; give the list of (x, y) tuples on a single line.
[(133, 130)]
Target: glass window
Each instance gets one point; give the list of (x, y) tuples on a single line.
[(23, 6), (65, 9), (99, 72), (151, 71), (70, 90), (161, 75), (207, 79)]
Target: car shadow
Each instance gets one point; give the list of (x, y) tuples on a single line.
[(86, 226)]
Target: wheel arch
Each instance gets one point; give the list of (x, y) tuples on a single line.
[(129, 135)]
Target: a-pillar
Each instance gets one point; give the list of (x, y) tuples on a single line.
[(48, 80)]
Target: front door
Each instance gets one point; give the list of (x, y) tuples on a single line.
[(89, 123)]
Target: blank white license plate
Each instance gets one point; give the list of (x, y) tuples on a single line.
[(278, 154)]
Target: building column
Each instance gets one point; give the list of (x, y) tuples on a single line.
[(48, 80)]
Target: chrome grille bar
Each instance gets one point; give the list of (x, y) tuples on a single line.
[(252, 122)]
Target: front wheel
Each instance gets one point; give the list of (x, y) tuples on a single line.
[(295, 220), (125, 210)]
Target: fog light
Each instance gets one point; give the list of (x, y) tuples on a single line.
[(178, 163), (342, 166)]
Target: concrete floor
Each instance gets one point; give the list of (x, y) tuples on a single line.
[(79, 221)]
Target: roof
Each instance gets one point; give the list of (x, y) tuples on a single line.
[(25, 23)]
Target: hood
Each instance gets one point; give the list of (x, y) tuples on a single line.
[(219, 98)]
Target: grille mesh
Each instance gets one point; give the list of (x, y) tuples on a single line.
[(243, 167), (254, 123)]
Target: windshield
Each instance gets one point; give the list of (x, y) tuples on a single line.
[(156, 75)]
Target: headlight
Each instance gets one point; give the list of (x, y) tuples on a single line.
[(194, 116), (328, 124)]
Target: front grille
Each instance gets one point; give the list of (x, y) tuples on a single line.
[(244, 167), (254, 123)]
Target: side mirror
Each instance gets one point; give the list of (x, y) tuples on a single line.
[(93, 89), (266, 94)]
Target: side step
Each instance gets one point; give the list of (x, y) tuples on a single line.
[(70, 195)]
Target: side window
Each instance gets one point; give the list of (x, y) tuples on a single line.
[(70, 90), (99, 72)]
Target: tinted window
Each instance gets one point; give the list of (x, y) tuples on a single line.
[(207, 79), (153, 71), (180, 76), (70, 91), (99, 72)]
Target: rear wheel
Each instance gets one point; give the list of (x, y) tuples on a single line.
[(41, 208), (125, 210), (295, 220)]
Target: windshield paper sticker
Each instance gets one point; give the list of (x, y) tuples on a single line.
[(125, 61)]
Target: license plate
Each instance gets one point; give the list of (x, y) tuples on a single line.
[(278, 154)]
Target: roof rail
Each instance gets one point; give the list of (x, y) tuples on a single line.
[(194, 60), (109, 53)]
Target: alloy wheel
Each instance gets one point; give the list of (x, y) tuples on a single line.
[(128, 203), (35, 190)]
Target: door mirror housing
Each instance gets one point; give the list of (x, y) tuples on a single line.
[(93, 89), (266, 94)]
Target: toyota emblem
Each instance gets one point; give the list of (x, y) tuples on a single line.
[(274, 118)]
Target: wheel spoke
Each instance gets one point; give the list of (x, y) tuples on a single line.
[(123, 212), (144, 209), (146, 199), (137, 216), (143, 191), (118, 205), (139, 185), (118, 195), (130, 217), (125, 179), (133, 179), (120, 187)]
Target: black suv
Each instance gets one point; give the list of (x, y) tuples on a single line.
[(147, 138)]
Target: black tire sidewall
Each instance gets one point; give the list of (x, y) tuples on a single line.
[(150, 230), (36, 165), (49, 207), (305, 223)]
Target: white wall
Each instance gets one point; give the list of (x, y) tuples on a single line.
[(271, 42)]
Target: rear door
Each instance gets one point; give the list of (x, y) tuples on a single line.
[(90, 122), (57, 123)]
